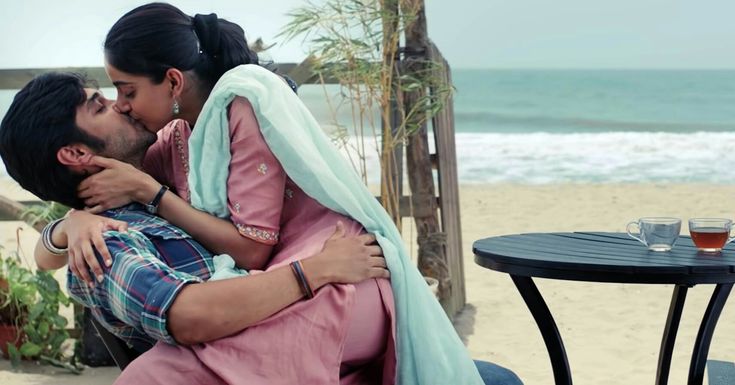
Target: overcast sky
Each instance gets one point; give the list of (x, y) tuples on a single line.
[(471, 33)]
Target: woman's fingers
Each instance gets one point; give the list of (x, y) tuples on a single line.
[(85, 193), (90, 202), (99, 244), (91, 262), (101, 161), (79, 264), (94, 209), (72, 263), (118, 225)]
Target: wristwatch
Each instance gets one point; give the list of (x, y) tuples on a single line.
[(152, 207)]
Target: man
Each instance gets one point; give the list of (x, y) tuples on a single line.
[(155, 287)]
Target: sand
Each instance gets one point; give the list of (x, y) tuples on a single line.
[(611, 331)]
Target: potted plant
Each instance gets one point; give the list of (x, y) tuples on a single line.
[(29, 312), (12, 309)]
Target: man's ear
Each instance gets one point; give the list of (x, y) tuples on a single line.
[(176, 80), (76, 157)]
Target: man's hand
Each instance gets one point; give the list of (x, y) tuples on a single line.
[(346, 260)]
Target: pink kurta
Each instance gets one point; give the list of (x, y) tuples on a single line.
[(345, 334)]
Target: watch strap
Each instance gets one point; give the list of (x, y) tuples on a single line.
[(153, 205)]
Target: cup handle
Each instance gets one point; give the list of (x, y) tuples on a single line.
[(630, 234), (731, 238)]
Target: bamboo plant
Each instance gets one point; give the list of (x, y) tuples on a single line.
[(356, 43)]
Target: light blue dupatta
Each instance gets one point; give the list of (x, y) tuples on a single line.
[(428, 348)]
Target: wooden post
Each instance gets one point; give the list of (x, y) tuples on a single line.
[(432, 257), (446, 164), (391, 162)]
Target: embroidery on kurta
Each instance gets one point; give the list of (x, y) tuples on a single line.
[(182, 156), (264, 236), (263, 168)]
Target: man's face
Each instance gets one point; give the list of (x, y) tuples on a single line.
[(125, 139)]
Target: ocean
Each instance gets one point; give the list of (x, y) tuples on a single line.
[(580, 126)]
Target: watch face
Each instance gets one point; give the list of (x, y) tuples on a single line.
[(151, 209)]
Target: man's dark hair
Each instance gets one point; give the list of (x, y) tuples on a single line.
[(40, 121)]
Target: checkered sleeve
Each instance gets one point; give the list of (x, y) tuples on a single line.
[(138, 289)]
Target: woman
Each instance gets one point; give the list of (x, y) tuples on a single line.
[(165, 65)]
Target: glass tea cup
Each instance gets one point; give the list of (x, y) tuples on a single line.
[(657, 233), (710, 235)]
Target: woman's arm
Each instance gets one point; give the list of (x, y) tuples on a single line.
[(120, 183), (217, 235), (45, 260), (84, 231)]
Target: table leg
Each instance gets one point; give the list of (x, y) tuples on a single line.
[(672, 326), (547, 326), (706, 329)]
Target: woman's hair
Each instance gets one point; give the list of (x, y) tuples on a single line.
[(154, 37)]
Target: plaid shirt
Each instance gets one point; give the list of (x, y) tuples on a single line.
[(151, 263)]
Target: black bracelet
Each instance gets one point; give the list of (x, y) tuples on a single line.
[(301, 277)]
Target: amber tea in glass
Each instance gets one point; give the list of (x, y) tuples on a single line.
[(710, 235)]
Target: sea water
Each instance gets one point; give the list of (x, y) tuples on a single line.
[(577, 126)]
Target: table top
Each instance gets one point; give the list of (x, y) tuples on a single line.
[(603, 257)]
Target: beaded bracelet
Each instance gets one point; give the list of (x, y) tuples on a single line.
[(301, 277), (46, 238)]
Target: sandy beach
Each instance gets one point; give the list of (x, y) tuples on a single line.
[(611, 331)]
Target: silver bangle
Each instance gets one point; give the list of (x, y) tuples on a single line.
[(46, 238)]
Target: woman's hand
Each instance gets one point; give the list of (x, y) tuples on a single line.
[(84, 234), (116, 185), (346, 260)]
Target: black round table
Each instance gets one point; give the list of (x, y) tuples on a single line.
[(612, 257)]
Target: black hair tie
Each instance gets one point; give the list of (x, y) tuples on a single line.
[(206, 28)]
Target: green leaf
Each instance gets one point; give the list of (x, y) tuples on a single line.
[(57, 340), (29, 349), (14, 355), (36, 310), (31, 332), (59, 321), (43, 329), (64, 300)]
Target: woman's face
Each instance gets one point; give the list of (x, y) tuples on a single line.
[(150, 104)]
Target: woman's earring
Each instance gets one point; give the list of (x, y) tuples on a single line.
[(176, 109)]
